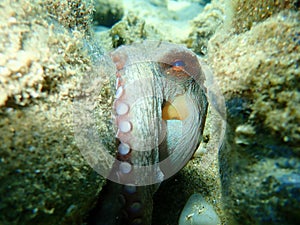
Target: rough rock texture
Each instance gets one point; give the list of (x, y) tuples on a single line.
[(131, 29), (71, 14), (154, 20), (43, 177), (259, 74), (243, 14), (205, 25), (107, 13), (45, 180)]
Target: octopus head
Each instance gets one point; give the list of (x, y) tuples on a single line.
[(159, 99)]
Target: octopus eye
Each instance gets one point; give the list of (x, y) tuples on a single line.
[(178, 65)]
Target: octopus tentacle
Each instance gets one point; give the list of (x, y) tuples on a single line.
[(136, 201), (159, 110), (146, 76)]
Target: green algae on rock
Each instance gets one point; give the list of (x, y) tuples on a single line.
[(205, 25), (71, 14), (264, 66), (35, 54), (129, 30), (259, 75), (107, 13), (44, 178), (243, 14)]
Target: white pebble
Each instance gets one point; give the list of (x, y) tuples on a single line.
[(198, 211)]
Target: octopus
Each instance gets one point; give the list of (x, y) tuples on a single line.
[(157, 93)]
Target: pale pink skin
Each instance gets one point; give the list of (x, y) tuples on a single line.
[(138, 70)]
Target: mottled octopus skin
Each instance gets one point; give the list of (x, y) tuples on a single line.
[(147, 76)]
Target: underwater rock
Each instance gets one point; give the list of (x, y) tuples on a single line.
[(243, 14), (205, 25), (71, 14), (167, 22), (161, 3), (259, 74), (147, 20), (44, 178), (130, 29), (198, 211), (107, 13)]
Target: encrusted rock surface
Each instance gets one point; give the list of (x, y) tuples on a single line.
[(205, 25), (259, 74), (44, 178), (254, 52)]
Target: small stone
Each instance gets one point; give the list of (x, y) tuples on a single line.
[(198, 211), (244, 134), (2, 59), (12, 20), (14, 65), (4, 72)]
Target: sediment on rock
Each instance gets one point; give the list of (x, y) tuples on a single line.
[(44, 178), (259, 75)]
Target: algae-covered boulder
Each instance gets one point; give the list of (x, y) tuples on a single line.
[(107, 13), (254, 54), (71, 14), (205, 25), (243, 14), (43, 177), (259, 73)]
